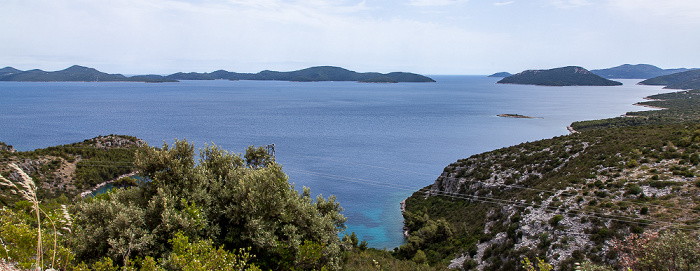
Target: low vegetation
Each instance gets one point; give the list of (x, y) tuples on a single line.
[(677, 107)]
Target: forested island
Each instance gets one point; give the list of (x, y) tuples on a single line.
[(323, 73), (639, 71), (313, 74), (501, 74), (74, 73), (681, 80), (564, 76)]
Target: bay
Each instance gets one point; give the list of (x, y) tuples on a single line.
[(371, 145)]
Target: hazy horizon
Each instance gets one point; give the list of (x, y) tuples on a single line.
[(426, 74), (432, 37)]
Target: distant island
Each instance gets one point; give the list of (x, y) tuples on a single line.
[(74, 73), (565, 76), (323, 73), (501, 74), (639, 71), (313, 74), (517, 116), (681, 80)]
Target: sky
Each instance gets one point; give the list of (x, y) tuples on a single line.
[(422, 36)]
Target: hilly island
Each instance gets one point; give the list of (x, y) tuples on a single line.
[(564, 76), (639, 71), (681, 80), (321, 73), (501, 74)]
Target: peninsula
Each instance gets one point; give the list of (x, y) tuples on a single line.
[(564, 76)]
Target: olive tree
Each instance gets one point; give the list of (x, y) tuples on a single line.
[(237, 201)]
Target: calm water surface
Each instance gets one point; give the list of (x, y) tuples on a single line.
[(371, 145)]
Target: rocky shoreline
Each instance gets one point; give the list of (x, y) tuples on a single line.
[(100, 185), (403, 209)]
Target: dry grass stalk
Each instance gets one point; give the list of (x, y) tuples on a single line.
[(27, 190), (2, 242), (55, 238), (66, 219)]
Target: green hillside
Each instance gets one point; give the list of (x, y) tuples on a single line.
[(673, 79), (692, 83), (8, 70)]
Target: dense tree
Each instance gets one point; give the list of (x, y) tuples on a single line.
[(236, 201)]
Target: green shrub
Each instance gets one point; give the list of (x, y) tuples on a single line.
[(634, 189), (644, 210), (420, 257), (554, 221), (202, 255), (539, 265), (669, 250)]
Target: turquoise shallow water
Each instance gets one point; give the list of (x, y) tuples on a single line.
[(371, 145)]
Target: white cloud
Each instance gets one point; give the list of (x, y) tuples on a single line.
[(163, 36), (432, 3), (568, 4), (503, 3), (678, 11)]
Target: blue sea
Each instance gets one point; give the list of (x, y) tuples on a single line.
[(370, 145)]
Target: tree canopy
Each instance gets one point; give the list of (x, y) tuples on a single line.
[(237, 201)]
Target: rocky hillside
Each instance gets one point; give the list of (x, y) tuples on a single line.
[(563, 199), (70, 169), (6, 148)]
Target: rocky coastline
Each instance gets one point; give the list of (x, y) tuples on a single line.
[(103, 184)]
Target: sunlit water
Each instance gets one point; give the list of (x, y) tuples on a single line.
[(371, 145)]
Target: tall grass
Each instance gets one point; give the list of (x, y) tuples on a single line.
[(26, 188)]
